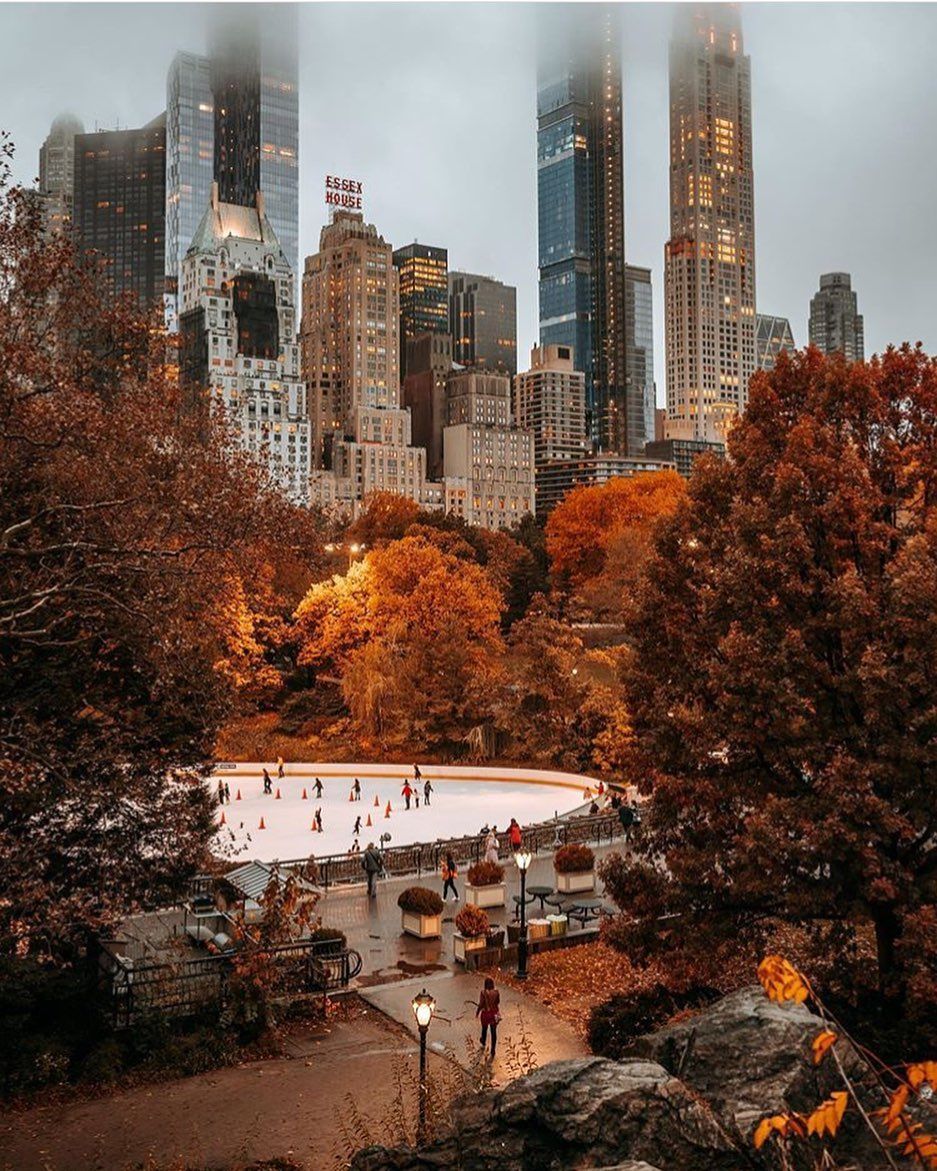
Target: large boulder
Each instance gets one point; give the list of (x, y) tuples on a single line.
[(588, 1113)]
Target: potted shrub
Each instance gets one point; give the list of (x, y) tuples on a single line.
[(471, 931), (575, 868), (421, 912), (484, 885)]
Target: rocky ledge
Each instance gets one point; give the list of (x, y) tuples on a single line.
[(687, 1100)]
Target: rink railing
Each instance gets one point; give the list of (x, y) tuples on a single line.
[(426, 858)]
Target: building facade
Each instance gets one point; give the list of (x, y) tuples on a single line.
[(550, 401), (682, 454), (556, 479), (485, 458), (423, 273), (773, 336), (639, 329), (239, 352), (483, 323), (429, 363), (233, 118), (709, 261), (119, 208), (836, 325), (581, 220), (57, 172)]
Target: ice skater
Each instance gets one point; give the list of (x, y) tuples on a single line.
[(268, 784), (221, 792), (318, 789), (227, 793), (427, 789), (281, 772), (356, 789), (357, 829), (406, 792), (417, 775), (319, 819)]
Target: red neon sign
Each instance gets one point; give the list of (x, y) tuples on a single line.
[(345, 193)]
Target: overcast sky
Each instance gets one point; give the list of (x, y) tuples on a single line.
[(433, 106)]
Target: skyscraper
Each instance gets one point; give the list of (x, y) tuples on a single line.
[(835, 321), (550, 400), (120, 206), (639, 328), (233, 118), (773, 335), (709, 261), (57, 171), (483, 323), (424, 293), (429, 361), (581, 218)]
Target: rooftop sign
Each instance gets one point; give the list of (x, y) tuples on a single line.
[(345, 193)]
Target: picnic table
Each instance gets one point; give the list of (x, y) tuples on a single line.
[(540, 892), (584, 909)]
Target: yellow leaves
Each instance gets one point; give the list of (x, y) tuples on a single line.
[(828, 1115), (916, 1141), (921, 1072), (781, 980), (780, 1124), (822, 1043), (910, 1137), (892, 1116)]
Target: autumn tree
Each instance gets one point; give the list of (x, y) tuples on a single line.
[(121, 520), (783, 687), (598, 536), (386, 516)]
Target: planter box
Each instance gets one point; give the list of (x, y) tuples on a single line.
[(466, 943), (485, 896), (422, 926), (577, 881)]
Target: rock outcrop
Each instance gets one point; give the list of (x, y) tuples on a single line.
[(688, 1100)]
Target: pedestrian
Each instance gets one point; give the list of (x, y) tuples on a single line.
[(449, 873), (427, 789), (601, 788), (319, 819), (268, 783), (318, 788), (593, 809), (221, 792), (514, 834), (355, 848), (357, 789), (491, 845), (416, 774), (280, 770), (227, 793), (489, 1009), (406, 792), (357, 829), (626, 817), (371, 864)]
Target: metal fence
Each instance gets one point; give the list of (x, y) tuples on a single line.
[(419, 859)]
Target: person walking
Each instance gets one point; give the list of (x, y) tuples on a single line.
[(449, 873), (626, 817), (318, 789), (319, 819), (356, 789), (357, 829), (281, 772), (406, 792), (268, 784), (427, 789), (489, 1009), (491, 845), (514, 835), (371, 863)]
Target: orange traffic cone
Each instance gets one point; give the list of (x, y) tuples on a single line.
[(261, 826), (305, 798), (314, 827), (278, 795), (351, 795), (368, 822), (238, 797), (222, 818), (387, 810), (377, 801)]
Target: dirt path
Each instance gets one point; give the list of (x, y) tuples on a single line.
[(287, 1107)]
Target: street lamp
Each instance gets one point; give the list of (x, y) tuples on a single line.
[(423, 1008), (522, 858)]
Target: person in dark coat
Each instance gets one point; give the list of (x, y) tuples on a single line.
[(449, 872), (318, 789), (268, 783), (371, 863), (427, 789)]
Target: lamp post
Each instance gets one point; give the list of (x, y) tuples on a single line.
[(522, 858), (423, 1008)]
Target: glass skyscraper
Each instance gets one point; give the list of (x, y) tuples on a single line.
[(424, 293), (639, 326), (233, 117)]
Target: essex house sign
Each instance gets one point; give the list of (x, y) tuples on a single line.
[(346, 193)]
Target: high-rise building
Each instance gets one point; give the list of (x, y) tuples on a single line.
[(233, 118), (350, 346), (491, 460), (57, 172), (550, 400), (639, 328), (773, 335), (424, 293), (581, 219), (239, 352), (836, 324), (682, 454), (557, 478), (119, 210), (429, 362), (709, 261), (483, 323)]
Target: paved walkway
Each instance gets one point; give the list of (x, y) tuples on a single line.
[(373, 927)]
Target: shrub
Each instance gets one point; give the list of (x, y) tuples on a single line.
[(104, 1064), (485, 874), (472, 921), (573, 859), (418, 900), (330, 935)]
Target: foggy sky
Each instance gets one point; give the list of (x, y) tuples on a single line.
[(433, 107)]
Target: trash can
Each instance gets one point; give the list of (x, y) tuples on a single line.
[(558, 924)]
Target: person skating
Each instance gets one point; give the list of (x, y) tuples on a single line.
[(417, 775), (406, 792), (356, 789), (268, 784), (281, 772), (427, 789), (489, 1009), (319, 819), (221, 792), (449, 873), (227, 793), (357, 829), (371, 864), (514, 835), (318, 789)]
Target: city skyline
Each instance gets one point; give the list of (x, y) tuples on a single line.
[(807, 152)]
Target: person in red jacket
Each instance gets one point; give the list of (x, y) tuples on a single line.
[(514, 835), (406, 792)]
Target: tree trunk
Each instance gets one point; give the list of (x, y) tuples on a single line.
[(887, 930)]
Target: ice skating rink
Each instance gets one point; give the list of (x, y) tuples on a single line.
[(462, 801)]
